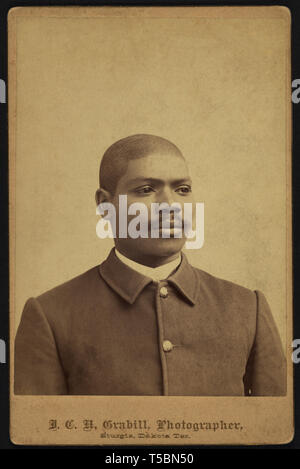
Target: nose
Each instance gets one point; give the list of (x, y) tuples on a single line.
[(167, 196)]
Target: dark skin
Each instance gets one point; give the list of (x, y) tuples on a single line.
[(158, 177)]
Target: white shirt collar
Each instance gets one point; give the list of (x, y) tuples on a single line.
[(155, 273)]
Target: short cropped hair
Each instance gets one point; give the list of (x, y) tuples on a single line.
[(115, 160)]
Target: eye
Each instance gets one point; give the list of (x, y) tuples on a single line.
[(186, 189), (145, 190)]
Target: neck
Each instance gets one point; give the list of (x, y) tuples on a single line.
[(149, 261)]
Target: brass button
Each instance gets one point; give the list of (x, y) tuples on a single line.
[(163, 292), (167, 346)]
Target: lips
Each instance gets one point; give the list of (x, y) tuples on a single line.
[(169, 224), (172, 228)]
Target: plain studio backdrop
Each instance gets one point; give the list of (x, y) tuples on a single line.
[(217, 89)]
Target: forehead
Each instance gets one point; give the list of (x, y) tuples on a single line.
[(158, 165)]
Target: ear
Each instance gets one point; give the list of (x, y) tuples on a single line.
[(102, 195)]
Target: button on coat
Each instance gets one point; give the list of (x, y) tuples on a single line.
[(167, 346), (163, 292)]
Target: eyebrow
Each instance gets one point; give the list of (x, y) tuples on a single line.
[(174, 182)]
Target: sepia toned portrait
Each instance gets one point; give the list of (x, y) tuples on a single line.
[(150, 223)]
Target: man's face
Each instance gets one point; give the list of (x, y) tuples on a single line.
[(156, 178)]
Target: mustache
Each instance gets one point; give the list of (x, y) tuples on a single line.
[(167, 220)]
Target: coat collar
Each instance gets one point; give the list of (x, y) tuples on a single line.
[(129, 283)]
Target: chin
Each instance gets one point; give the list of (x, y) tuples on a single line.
[(150, 247), (163, 246)]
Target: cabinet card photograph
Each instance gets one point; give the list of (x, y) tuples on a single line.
[(150, 225)]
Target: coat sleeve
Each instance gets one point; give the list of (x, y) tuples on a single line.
[(266, 367), (38, 369)]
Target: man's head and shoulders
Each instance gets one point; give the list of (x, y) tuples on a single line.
[(145, 321), (151, 170)]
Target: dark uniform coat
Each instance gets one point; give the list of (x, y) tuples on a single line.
[(113, 331)]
